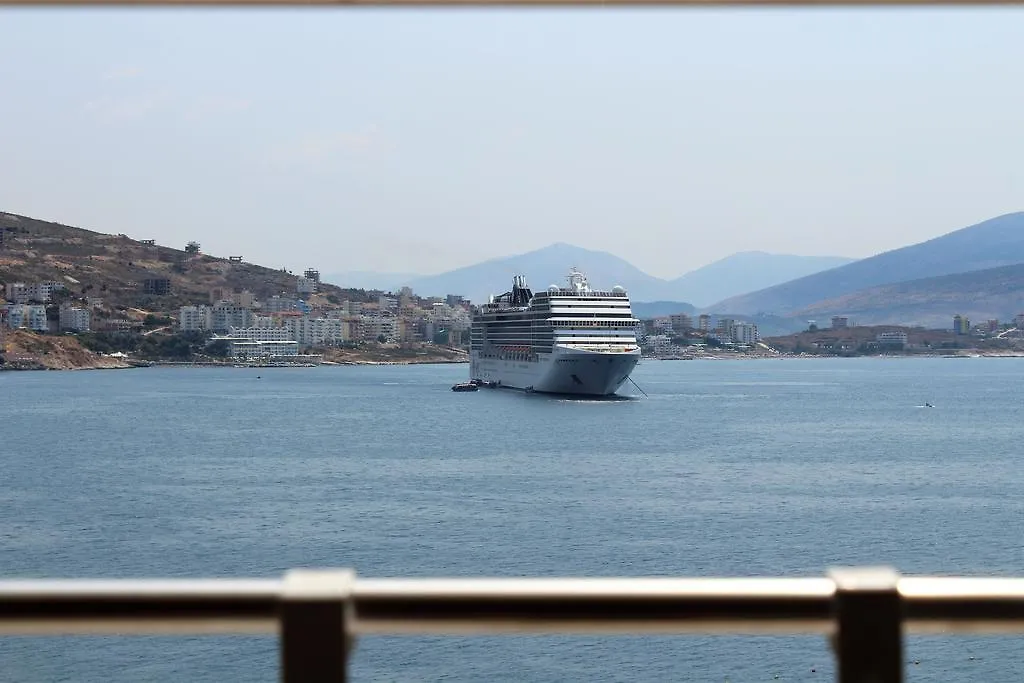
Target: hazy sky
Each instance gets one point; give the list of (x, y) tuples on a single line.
[(400, 140)]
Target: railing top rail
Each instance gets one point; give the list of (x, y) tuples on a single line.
[(495, 605)]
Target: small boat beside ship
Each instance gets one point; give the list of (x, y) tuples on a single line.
[(466, 386)]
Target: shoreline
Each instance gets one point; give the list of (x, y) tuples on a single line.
[(24, 365)]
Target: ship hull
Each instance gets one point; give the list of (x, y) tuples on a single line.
[(564, 371)]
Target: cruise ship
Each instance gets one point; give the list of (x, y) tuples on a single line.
[(566, 340)]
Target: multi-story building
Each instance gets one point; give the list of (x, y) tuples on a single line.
[(32, 316), (245, 348), (353, 308), (681, 322), (745, 333), (220, 294), (704, 322), (195, 318), (261, 334), (157, 286), (662, 324), (840, 322), (376, 325), (280, 304), (75, 319), (245, 299), (228, 314), (310, 331), (41, 292), (724, 329), (961, 324), (305, 286), (891, 339)]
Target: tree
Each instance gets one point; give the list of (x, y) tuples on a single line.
[(192, 248), (381, 338), (219, 348)]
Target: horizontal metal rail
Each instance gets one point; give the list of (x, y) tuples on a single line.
[(513, 3), (854, 607)]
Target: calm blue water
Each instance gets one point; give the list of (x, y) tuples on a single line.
[(729, 468)]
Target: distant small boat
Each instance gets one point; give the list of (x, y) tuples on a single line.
[(465, 386)]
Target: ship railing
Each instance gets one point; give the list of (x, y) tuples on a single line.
[(319, 614), (588, 292)]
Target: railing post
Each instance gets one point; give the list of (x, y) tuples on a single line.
[(316, 619), (868, 642)]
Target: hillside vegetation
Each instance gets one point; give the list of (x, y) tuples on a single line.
[(114, 267)]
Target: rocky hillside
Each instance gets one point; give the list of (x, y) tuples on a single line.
[(932, 302), (115, 267), (25, 350)]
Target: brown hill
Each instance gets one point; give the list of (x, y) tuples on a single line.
[(932, 302), (26, 350), (115, 268)]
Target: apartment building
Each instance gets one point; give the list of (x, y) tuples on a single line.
[(745, 333), (72, 319), (31, 316), (310, 331), (42, 292)]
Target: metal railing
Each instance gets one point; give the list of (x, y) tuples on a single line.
[(318, 614)]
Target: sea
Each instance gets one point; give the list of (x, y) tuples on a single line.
[(782, 467)]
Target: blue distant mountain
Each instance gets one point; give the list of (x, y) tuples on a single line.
[(549, 265), (747, 271), (991, 244), (542, 267)]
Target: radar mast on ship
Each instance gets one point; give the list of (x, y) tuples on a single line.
[(578, 281)]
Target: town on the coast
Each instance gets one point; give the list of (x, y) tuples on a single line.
[(72, 298), (235, 327)]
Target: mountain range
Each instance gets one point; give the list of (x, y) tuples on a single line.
[(931, 302), (976, 271), (990, 244), (735, 274)]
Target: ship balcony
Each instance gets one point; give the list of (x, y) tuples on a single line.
[(318, 615)]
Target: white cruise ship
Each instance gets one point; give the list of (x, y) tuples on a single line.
[(566, 340)]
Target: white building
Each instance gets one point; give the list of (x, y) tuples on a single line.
[(261, 334), (724, 329), (32, 316), (379, 324), (745, 333), (305, 286), (892, 338), (195, 318), (280, 304), (75, 319), (310, 331), (243, 348), (662, 324), (227, 314)]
